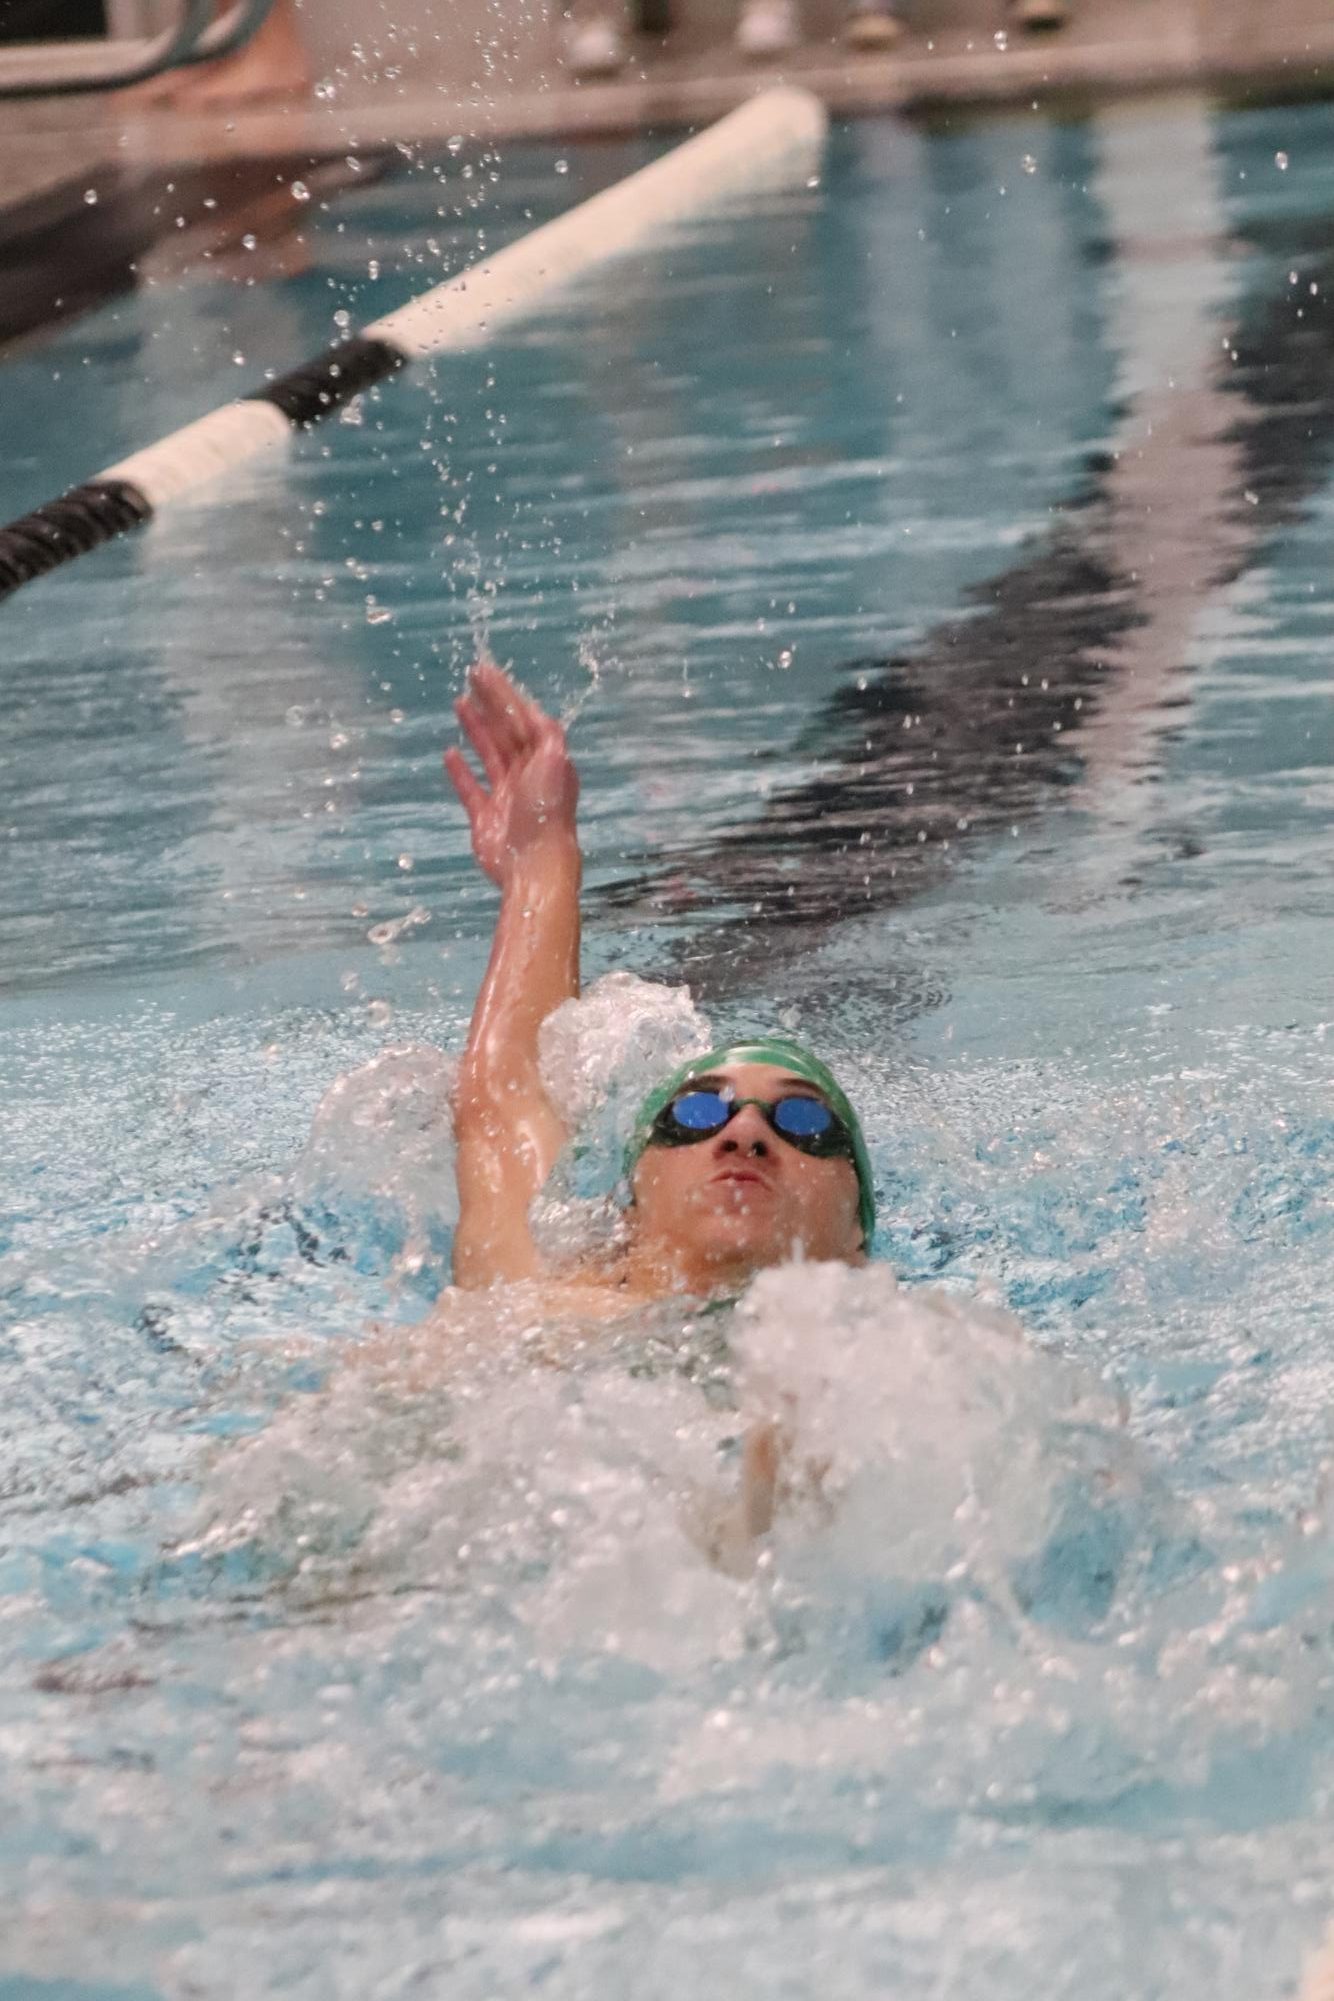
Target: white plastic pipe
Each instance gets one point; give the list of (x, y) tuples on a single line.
[(774, 138), (200, 451)]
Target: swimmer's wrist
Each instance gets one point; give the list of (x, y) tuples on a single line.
[(553, 850)]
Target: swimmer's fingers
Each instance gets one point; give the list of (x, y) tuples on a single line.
[(536, 720), (515, 722), (527, 722), (472, 798), (477, 729)]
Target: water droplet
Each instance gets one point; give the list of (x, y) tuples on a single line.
[(1281, 162), (406, 863), (814, 181), (326, 88), (90, 196), (785, 657), (239, 358), (1001, 39), (395, 928), (1029, 164), (562, 166), (377, 614), (300, 192), (249, 242)]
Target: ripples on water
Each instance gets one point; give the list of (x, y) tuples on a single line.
[(325, 1674)]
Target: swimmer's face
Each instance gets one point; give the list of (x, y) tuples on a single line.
[(745, 1198)]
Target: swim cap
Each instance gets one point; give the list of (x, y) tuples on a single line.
[(784, 1054)]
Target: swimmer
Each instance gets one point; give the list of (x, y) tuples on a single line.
[(747, 1157)]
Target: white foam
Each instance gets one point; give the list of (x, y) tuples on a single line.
[(615, 1042), (939, 1452), (936, 1457)]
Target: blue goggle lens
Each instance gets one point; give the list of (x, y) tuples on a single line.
[(801, 1118), (701, 1111)]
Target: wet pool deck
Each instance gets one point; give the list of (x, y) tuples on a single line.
[(493, 71), (480, 79)]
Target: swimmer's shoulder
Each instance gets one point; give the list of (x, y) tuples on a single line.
[(554, 1320)]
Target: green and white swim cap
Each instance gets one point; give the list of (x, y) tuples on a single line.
[(784, 1054)]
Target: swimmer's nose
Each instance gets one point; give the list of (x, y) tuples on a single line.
[(746, 1132)]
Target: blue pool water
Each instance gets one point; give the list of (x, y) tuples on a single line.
[(933, 564)]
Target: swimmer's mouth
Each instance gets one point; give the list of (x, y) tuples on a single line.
[(744, 1175)]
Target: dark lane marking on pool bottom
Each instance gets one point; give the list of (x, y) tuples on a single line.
[(1003, 710)]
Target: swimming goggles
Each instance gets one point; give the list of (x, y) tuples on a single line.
[(808, 1124)]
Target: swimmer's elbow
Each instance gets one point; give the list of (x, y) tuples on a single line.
[(491, 1096)]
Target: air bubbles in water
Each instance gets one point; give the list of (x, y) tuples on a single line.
[(377, 1173)]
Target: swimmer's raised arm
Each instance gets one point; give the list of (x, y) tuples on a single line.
[(525, 838)]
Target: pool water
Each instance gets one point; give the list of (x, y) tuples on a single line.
[(932, 564)]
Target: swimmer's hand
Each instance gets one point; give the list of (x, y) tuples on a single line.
[(775, 1479), (534, 788)]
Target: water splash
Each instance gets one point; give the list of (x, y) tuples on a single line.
[(600, 1056)]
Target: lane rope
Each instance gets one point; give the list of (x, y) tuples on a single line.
[(771, 140)]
